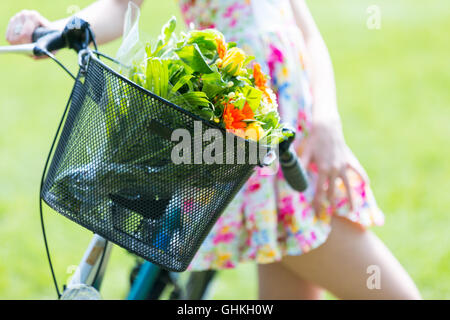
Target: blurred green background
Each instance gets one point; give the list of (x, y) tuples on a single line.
[(394, 97)]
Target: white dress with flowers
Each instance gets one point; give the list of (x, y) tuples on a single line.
[(267, 219)]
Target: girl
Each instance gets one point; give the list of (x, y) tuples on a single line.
[(303, 243)]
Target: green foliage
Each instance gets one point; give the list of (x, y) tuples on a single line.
[(187, 71), (253, 97), (157, 77), (188, 99), (181, 82), (163, 40), (196, 102), (205, 40), (193, 57), (213, 84)]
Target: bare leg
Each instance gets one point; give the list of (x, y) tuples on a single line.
[(276, 282), (340, 265)]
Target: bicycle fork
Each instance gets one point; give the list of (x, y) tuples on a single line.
[(96, 256)]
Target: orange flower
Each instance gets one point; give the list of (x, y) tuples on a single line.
[(261, 81), (260, 77), (221, 47), (248, 112), (233, 117)]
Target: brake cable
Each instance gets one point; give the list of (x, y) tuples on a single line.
[(90, 37)]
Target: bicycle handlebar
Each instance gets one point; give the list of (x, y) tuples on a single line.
[(47, 40), (41, 32), (76, 35)]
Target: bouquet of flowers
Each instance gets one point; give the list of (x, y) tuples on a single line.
[(201, 72)]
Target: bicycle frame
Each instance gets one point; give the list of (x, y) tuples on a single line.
[(97, 256)]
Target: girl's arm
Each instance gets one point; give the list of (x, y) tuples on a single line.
[(325, 145), (105, 16), (325, 106)]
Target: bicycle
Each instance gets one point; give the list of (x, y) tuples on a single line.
[(149, 279)]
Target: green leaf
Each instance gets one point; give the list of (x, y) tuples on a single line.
[(242, 82), (248, 59), (183, 80), (192, 100), (205, 113), (166, 34), (157, 76), (231, 45), (213, 84), (206, 34), (169, 28), (239, 103), (252, 96), (206, 41), (269, 120), (192, 56)]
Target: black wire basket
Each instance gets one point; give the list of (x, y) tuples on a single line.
[(112, 170)]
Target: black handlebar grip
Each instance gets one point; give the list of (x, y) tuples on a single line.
[(41, 32), (293, 171), (46, 39)]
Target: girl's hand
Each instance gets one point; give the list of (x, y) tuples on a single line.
[(326, 147), (22, 25)]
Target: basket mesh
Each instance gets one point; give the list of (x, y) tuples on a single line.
[(112, 172)]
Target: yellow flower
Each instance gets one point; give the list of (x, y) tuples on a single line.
[(233, 61), (254, 131)]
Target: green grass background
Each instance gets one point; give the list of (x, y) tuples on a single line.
[(394, 97)]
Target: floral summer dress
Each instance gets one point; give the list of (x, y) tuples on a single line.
[(267, 219)]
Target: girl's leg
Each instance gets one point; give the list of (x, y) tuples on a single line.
[(347, 265), (276, 282)]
